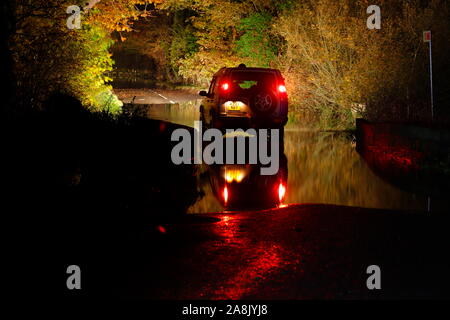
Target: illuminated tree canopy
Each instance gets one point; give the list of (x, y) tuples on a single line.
[(335, 67), (50, 57)]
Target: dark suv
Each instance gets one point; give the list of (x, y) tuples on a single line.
[(254, 95)]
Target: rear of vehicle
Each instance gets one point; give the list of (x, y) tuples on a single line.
[(257, 95)]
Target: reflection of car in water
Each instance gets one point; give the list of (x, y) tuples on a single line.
[(242, 187)]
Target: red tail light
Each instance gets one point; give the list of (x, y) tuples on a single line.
[(281, 191), (225, 194), (282, 88), (225, 86)]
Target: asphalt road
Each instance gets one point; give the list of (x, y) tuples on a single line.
[(298, 252), (109, 226)]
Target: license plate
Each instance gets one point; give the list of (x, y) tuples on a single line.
[(234, 107)]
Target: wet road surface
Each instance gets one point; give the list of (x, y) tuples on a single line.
[(118, 209), (298, 251), (155, 96), (322, 167)]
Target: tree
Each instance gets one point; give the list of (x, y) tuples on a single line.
[(254, 44), (49, 57), (336, 68)]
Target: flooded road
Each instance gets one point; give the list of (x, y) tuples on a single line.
[(321, 167), (120, 202)]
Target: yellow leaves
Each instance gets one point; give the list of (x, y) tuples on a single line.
[(48, 55), (118, 15)]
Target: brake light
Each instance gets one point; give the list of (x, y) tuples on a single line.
[(225, 86), (281, 191), (282, 88)]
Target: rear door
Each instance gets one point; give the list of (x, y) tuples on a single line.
[(257, 87)]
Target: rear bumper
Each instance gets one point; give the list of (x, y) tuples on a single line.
[(246, 116)]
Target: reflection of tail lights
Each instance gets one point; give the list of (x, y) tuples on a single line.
[(281, 191), (225, 194), (234, 175)]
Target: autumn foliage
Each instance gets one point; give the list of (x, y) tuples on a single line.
[(49, 57), (338, 68), (335, 67)]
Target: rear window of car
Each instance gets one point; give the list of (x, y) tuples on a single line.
[(246, 80)]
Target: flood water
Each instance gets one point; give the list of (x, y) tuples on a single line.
[(320, 167)]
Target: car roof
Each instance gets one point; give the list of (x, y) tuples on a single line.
[(226, 70)]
